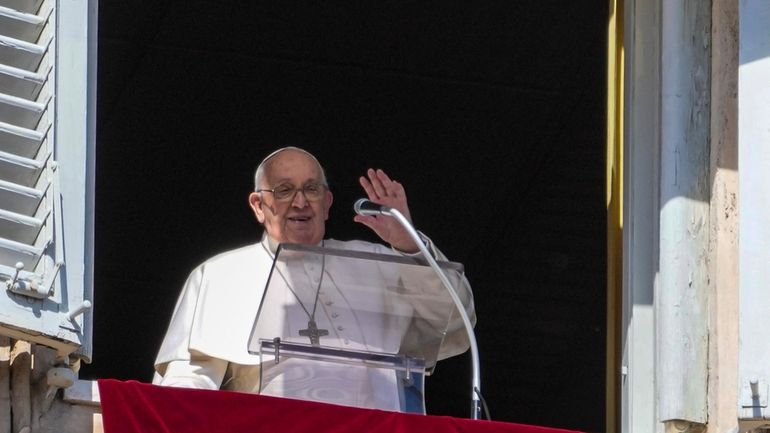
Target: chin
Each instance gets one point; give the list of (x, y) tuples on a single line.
[(304, 240)]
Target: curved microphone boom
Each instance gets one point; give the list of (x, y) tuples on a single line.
[(363, 206)]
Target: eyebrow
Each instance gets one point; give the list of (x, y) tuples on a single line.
[(309, 181)]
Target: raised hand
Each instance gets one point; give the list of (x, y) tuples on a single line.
[(381, 189)]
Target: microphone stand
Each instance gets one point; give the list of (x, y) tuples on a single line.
[(476, 383)]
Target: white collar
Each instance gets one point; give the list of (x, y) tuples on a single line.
[(271, 245)]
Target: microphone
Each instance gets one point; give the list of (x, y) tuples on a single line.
[(363, 206)]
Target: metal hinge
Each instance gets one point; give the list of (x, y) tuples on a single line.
[(31, 287)]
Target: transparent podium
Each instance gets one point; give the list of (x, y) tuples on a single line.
[(352, 328)]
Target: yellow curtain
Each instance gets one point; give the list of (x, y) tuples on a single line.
[(614, 203)]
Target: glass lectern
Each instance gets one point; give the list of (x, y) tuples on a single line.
[(353, 328)]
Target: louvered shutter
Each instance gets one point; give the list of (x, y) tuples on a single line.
[(46, 171)]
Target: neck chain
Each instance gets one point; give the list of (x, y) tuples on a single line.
[(312, 331)]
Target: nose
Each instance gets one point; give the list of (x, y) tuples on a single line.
[(299, 200)]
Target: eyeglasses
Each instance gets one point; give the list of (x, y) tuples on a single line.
[(286, 192)]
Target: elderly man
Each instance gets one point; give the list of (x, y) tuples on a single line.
[(206, 342)]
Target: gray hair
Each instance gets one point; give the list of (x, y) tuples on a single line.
[(260, 173)]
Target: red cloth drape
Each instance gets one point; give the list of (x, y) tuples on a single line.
[(134, 407)]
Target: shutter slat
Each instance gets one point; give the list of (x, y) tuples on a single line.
[(21, 112), (20, 83), (21, 141), (19, 227), (20, 54), (20, 170), (19, 199), (38, 77), (26, 6), (21, 25), (23, 133), (14, 252)]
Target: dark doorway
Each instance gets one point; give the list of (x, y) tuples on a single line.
[(491, 113)]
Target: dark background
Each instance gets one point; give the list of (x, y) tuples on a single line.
[(491, 113)]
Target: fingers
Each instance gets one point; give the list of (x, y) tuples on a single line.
[(368, 188), (379, 186), (377, 182), (366, 220), (369, 221)]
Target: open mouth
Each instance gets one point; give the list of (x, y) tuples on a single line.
[(299, 219)]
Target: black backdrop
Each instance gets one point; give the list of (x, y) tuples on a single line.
[(491, 113)]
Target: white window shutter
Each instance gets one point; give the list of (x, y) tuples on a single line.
[(754, 211), (47, 55)]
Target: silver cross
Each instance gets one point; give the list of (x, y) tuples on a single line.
[(313, 333)]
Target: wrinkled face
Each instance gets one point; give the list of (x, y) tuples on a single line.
[(295, 219)]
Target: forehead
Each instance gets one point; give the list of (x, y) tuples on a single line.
[(292, 165)]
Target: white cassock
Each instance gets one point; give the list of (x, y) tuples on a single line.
[(206, 342)]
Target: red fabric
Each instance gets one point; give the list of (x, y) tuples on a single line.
[(133, 407)]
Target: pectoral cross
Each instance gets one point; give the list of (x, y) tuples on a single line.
[(313, 333)]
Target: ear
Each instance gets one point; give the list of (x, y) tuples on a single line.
[(255, 202), (328, 199)]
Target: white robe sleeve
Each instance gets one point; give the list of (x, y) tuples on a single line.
[(204, 373), (456, 340), (176, 343), (214, 315)]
